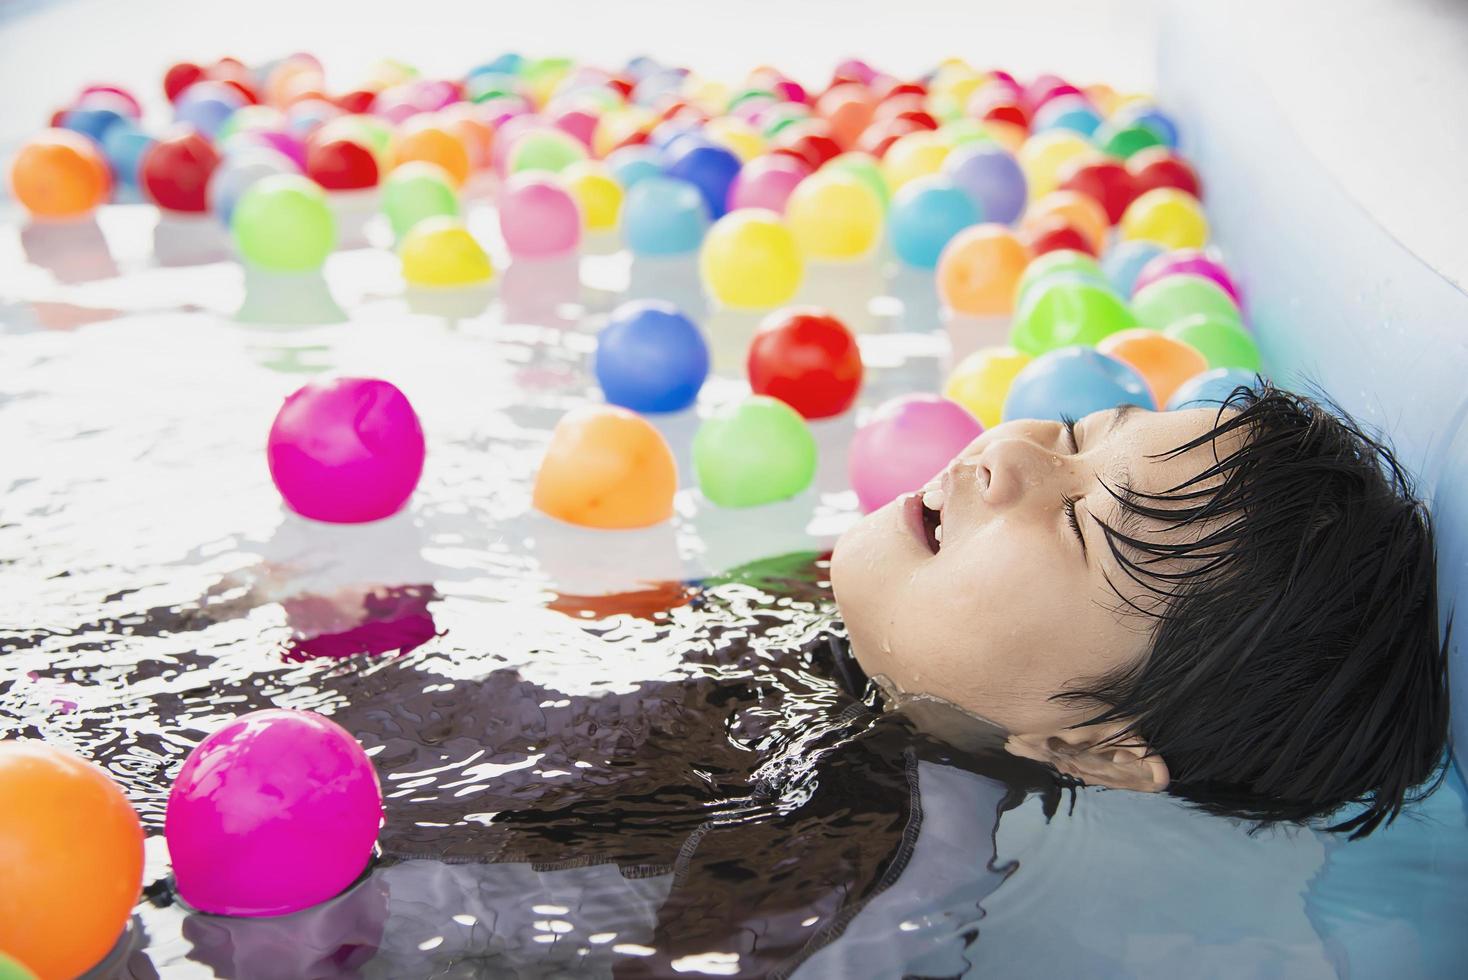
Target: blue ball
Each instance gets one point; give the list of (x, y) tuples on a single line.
[(92, 121), (1211, 388), (709, 167), (665, 132), (990, 175), (650, 358), (206, 105), (1123, 262), (1153, 118), (124, 146), (1074, 382), (1071, 112), (925, 214), (631, 164), (506, 64), (664, 216), (238, 172)]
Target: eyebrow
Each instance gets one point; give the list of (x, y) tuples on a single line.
[(1119, 416)]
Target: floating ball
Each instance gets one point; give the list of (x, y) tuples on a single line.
[(1068, 312), (848, 108), (60, 174), (346, 450), (766, 182), (1159, 167), (539, 219), (834, 215), (71, 856), (250, 119), (427, 143), (206, 105), (650, 358), (1188, 262), (124, 145), (1073, 382), (342, 165), (980, 269), (990, 175), (906, 442), (272, 813), (1118, 138), (737, 135), (1152, 118), (1210, 389), (606, 467), (1221, 340), (981, 381), (597, 194), (867, 169), (441, 252), (1172, 298), (282, 223), (175, 172), (915, 155), (92, 121), (1167, 216), (1107, 183), (1054, 266), (1162, 361), (664, 216), (963, 131), (1077, 210), (806, 357), (416, 191), (240, 171), (1072, 112), (709, 167), (631, 164), (1051, 233), (1046, 156), (179, 77), (1124, 261), (749, 260), (925, 216), (753, 452), (544, 149), (13, 969)]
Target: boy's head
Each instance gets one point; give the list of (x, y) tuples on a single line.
[(1239, 604)]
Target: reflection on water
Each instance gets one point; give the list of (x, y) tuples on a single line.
[(288, 299), (73, 251)]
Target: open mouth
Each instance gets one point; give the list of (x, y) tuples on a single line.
[(925, 516)]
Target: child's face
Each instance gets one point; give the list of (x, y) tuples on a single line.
[(1012, 608)]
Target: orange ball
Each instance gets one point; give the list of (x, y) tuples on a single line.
[(848, 108), (607, 467), (71, 860), (980, 269), (431, 142), (1081, 211), (60, 174), (473, 130), (1164, 362), (1009, 135)]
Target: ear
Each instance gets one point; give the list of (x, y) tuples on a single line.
[(1091, 756)]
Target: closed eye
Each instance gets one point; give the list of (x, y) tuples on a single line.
[(1070, 516), (1070, 430)]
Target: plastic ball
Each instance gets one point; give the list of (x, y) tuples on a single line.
[(1173, 298), (848, 108), (1068, 312), (1071, 112), (175, 172), (1123, 140), (1159, 167), (767, 182), (990, 175), (632, 164), (753, 452), (179, 77), (346, 450), (749, 260), (1081, 212), (980, 268), (707, 166), (834, 215), (963, 131), (427, 143), (60, 174), (1054, 266), (116, 96), (441, 252), (1164, 362), (416, 191), (72, 852), (597, 194), (125, 145), (274, 812), (578, 123), (1051, 233), (1167, 216), (981, 381), (1046, 156), (545, 150), (248, 119), (925, 216), (650, 358), (906, 442), (1073, 382), (1188, 262), (1124, 261), (1105, 181), (282, 223), (806, 357), (13, 969), (664, 216), (606, 467), (912, 156), (737, 135), (538, 217), (1210, 389), (865, 168), (240, 171), (1222, 341), (341, 165), (93, 122)]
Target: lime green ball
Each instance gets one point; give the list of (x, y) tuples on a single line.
[(282, 223), (1062, 263), (415, 191), (491, 85), (1222, 341), (745, 94), (1067, 312), (865, 167), (962, 131), (1164, 302), (1126, 140), (754, 452), (781, 116), (13, 969), (546, 149), (248, 118)]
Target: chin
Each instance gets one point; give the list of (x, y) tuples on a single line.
[(862, 564)]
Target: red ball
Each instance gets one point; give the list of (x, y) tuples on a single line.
[(180, 77), (1157, 166), (1010, 112), (808, 359), (1055, 234), (1108, 182), (174, 173), (920, 118), (898, 104), (622, 86), (356, 101), (341, 165), (896, 88), (810, 143)]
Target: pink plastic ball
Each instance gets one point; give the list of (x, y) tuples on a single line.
[(905, 444), (273, 813), (579, 123), (284, 142), (538, 218), (1187, 262), (346, 450), (767, 182)]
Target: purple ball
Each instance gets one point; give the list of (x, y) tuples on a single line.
[(991, 177), (206, 105), (1187, 262), (905, 444)]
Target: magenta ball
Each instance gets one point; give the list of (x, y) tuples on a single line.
[(286, 143), (538, 218), (905, 444), (579, 123), (766, 182), (346, 450), (1187, 262), (273, 813)]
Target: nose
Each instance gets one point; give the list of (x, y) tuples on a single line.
[(1022, 471)]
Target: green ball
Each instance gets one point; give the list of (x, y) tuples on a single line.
[(548, 149), (754, 452), (1164, 302), (13, 969), (864, 167), (415, 191), (1222, 341), (745, 94), (782, 116), (1061, 264), (282, 223), (1126, 140), (491, 85), (962, 131), (1068, 311)]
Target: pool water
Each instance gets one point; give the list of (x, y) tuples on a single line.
[(603, 753)]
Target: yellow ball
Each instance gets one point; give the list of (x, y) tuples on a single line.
[(441, 252), (1167, 216), (915, 155), (749, 260), (737, 135), (1045, 156), (834, 215), (597, 194), (981, 382), (621, 124)]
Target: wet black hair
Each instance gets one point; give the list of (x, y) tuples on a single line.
[(1296, 670)]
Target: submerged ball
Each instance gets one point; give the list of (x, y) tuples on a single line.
[(749, 260), (60, 174), (1073, 382), (539, 219), (806, 358), (905, 443), (981, 381), (416, 191), (834, 216), (441, 252), (606, 467), (650, 358), (282, 223), (754, 452)]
